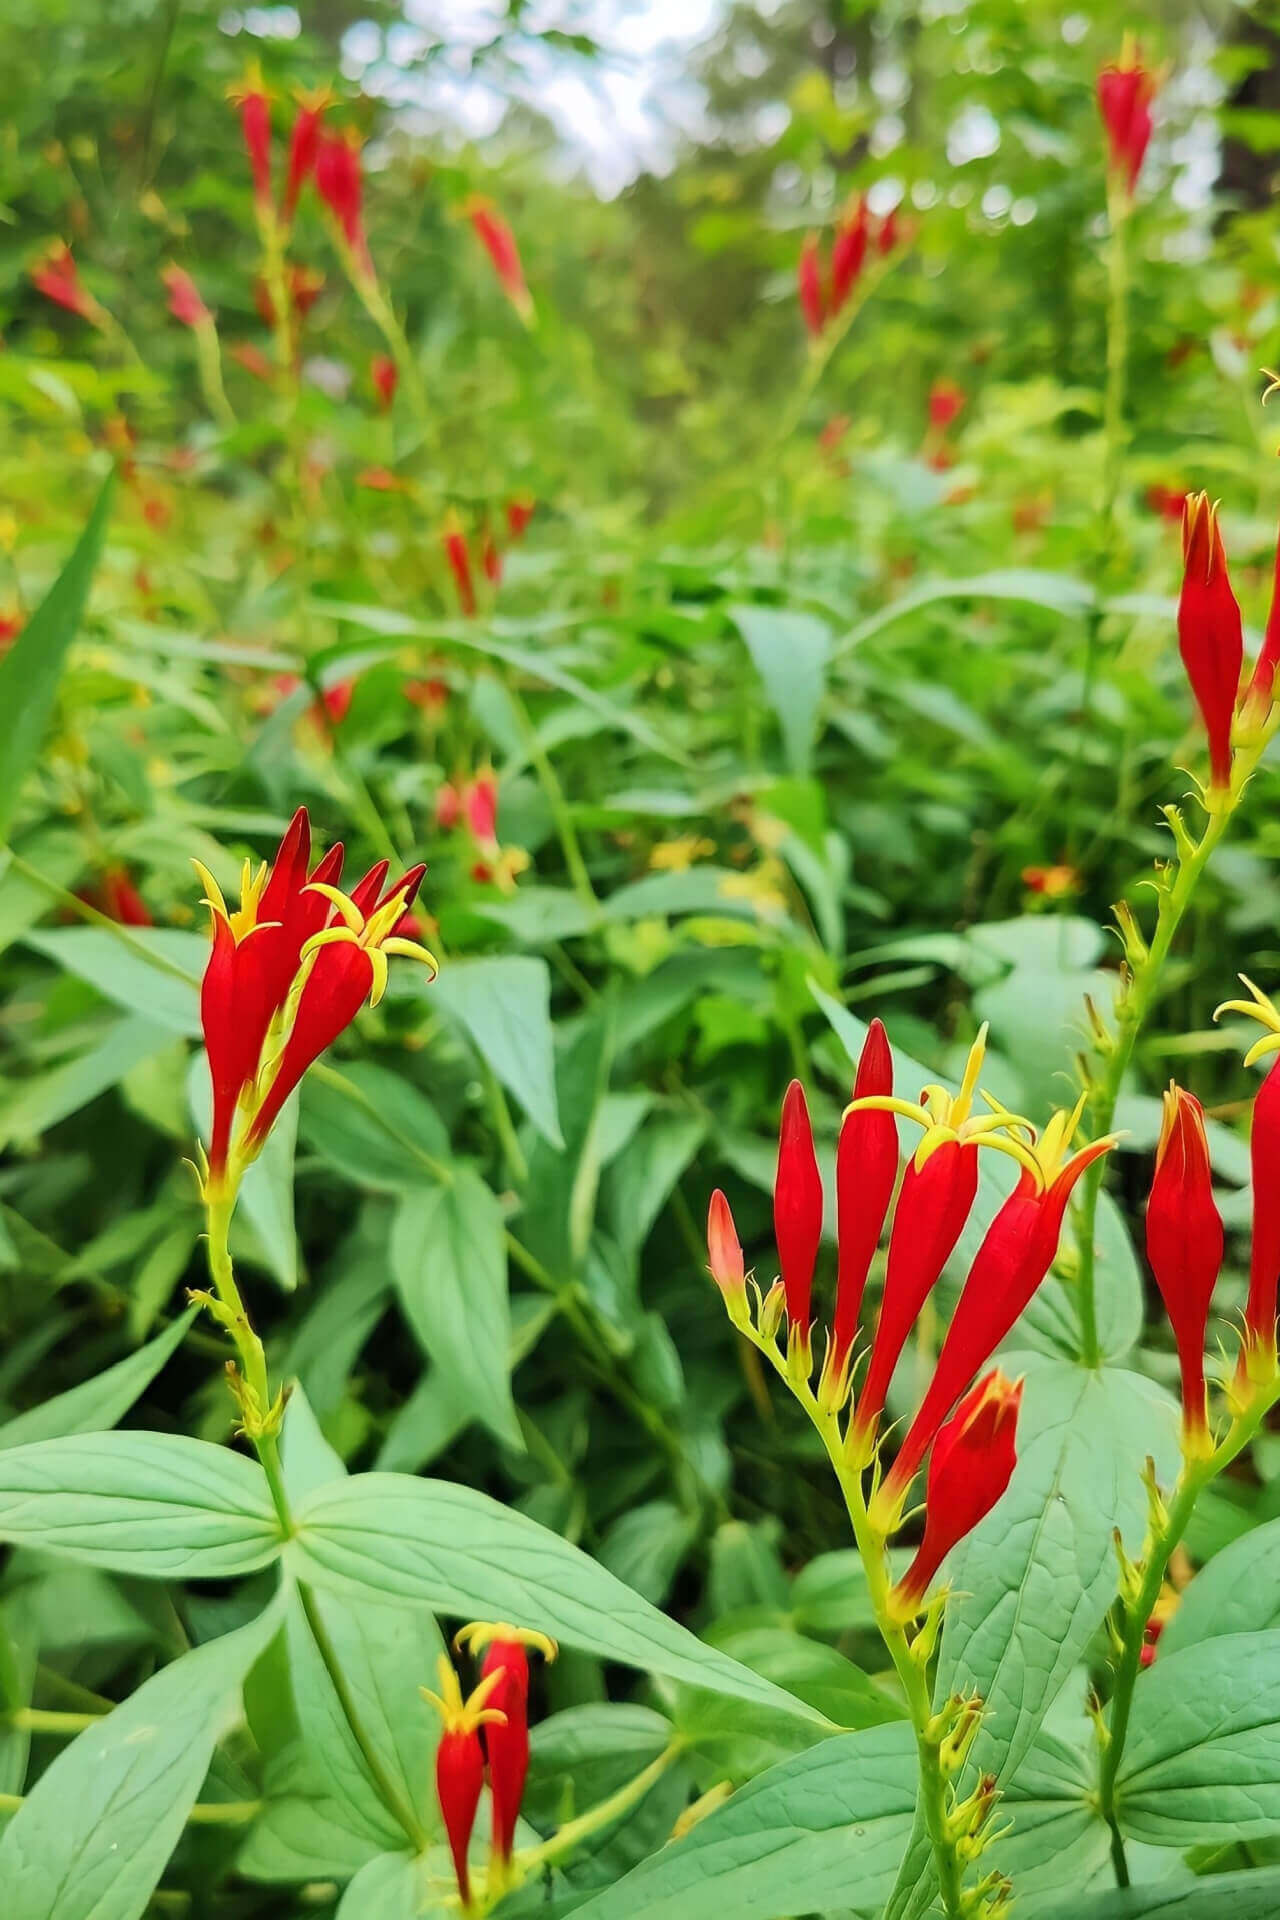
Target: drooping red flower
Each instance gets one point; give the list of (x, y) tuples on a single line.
[(254, 102), (385, 378), (1184, 1247), (340, 184), (460, 1762), (57, 277), (866, 1173), (1016, 1253), (797, 1207), (813, 299), (1210, 636), (519, 512), (454, 541), (1125, 93), (303, 140), (971, 1465), (185, 303), (505, 1670), (498, 241), (849, 253), (724, 1249)]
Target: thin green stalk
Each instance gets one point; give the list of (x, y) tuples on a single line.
[(45, 1720), (513, 1153), (602, 1815), (549, 780), (1114, 434), (205, 1813)]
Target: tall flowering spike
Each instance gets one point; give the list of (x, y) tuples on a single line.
[(724, 1250), (797, 1206), (1258, 1351), (813, 299), (185, 303), (1262, 683), (929, 1218), (1184, 1246), (1016, 1253), (1125, 93), (971, 1465), (849, 253), (254, 102), (456, 552), (340, 184), (866, 1172), (1210, 637), (460, 1761), (303, 140), (498, 241), (506, 1668), (56, 276)]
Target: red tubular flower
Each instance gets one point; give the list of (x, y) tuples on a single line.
[(1017, 1251), (432, 696), (340, 184), (55, 275), (254, 103), (122, 901), (303, 141), (460, 1762), (866, 1172), (382, 371), (934, 1204), (498, 241), (1264, 1260), (1168, 502), (1262, 684), (813, 301), (185, 303), (254, 361), (1184, 1247), (945, 401), (490, 559), (505, 1672), (971, 1465), (848, 254), (724, 1249), (1125, 93), (454, 541), (519, 512), (797, 1206), (889, 234), (480, 804), (1210, 637), (448, 806), (335, 702)]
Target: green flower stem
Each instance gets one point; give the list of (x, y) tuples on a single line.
[(1114, 433), (205, 1813), (45, 1720), (209, 367), (549, 781), (1195, 1477), (574, 1832), (261, 1426), (911, 1671)]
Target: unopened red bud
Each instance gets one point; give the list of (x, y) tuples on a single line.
[(1210, 636), (724, 1249), (797, 1206), (1184, 1246)]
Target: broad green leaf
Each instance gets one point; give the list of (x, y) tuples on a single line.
[(449, 1263), (503, 1005), (153, 971), (1057, 592), (31, 1107), (1238, 1592), (156, 1505), (32, 667), (98, 1403), (1202, 1762), (790, 650), (1219, 1896), (92, 1839), (57, 854), (397, 1887), (372, 1126), (816, 1832), (640, 1180), (1037, 1010), (646, 1545), (463, 1554)]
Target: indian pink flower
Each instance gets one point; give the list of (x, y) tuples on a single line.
[(185, 303), (340, 184), (971, 1466), (519, 512), (797, 1207), (254, 103), (506, 1737), (1258, 698), (866, 1172), (1125, 93), (945, 401), (382, 371), (1210, 636), (813, 300), (303, 141), (56, 276), (849, 253), (454, 541), (724, 1249), (498, 241), (1258, 1346), (1184, 1247), (460, 1762)]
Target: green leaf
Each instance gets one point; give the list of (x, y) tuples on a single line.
[(790, 650), (154, 971), (813, 1833), (395, 1887), (31, 1107), (1220, 1896), (1202, 1763), (98, 1403), (32, 667), (503, 1005), (1238, 1592), (646, 1546), (463, 1554), (372, 1126), (92, 1839), (449, 1264), (1056, 592), (156, 1505)]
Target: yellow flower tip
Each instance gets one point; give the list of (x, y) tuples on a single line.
[(213, 897), (346, 908), (479, 1634), (459, 1715)]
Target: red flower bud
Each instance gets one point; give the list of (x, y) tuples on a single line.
[(382, 371), (929, 1218), (1210, 637), (888, 236), (303, 141), (1168, 502), (507, 1742), (460, 1761), (797, 1206), (185, 303), (122, 901), (480, 804), (848, 254), (1184, 1246), (459, 558), (971, 1465), (866, 1173), (1264, 1261), (945, 401), (1125, 93), (519, 513), (724, 1249), (56, 276), (498, 241), (448, 807), (813, 304), (490, 559), (255, 123), (1262, 685), (340, 184)]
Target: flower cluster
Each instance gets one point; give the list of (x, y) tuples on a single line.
[(1235, 712), (824, 286), (473, 805), (968, 1430), (465, 555), (485, 1734), (290, 969)]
